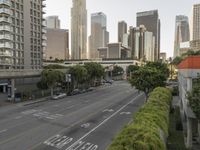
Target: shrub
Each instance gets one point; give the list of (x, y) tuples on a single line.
[(145, 132)]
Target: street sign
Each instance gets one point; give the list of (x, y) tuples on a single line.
[(68, 78)]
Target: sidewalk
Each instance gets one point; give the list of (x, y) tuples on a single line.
[(3, 101)]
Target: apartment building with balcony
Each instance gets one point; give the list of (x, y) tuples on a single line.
[(22, 35)]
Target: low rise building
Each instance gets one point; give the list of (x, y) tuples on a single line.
[(188, 70)]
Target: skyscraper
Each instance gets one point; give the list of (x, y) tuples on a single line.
[(182, 33), (22, 34), (195, 22), (53, 22), (122, 29), (99, 36), (79, 30), (142, 43), (150, 19)]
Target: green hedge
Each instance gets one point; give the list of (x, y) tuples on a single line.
[(150, 126)]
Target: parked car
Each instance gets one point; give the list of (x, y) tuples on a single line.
[(90, 89), (75, 92), (59, 96)]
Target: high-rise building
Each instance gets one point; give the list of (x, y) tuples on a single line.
[(22, 34), (79, 30), (195, 22), (182, 33), (142, 43), (99, 36), (122, 29), (53, 22), (150, 19), (57, 44)]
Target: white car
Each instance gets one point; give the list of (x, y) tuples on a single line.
[(59, 96)]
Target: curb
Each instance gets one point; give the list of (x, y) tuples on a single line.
[(35, 102)]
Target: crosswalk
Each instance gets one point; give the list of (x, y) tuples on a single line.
[(40, 114)]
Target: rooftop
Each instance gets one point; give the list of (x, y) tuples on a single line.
[(191, 62)]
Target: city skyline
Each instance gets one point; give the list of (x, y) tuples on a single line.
[(117, 13)]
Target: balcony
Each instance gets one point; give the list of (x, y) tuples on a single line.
[(5, 11), (5, 2), (6, 37), (6, 54), (44, 44), (44, 38), (6, 45), (4, 19), (5, 62), (6, 28), (43, 5), (44, 31)]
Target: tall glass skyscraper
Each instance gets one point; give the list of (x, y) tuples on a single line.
[(151, 21), (99, 35), (182, 33), (79, 30)]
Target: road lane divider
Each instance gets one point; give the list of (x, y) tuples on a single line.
[(103, 122)]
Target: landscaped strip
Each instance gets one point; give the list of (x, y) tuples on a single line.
[(149, 129)]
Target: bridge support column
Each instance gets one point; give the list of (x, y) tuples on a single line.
[(4, 89), (12, 90)]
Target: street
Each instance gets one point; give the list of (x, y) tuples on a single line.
[(87, 121)]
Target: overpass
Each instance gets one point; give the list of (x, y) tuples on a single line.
[(124, 63)]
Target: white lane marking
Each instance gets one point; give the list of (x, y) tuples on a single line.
[(18, 117), (28, 112), (108, 110), (103, 122), (2, 131), (86, 125), (81, 145), (125, 113), (58, 141)]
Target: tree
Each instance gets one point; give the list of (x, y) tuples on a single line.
[(117, 70), (194, 101), (162, 67), (42, 85), (79, 74), (94, 70), (146, 79), (50, 78), (177, 60), (132, 68)]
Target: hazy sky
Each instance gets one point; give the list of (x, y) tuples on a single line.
[(117, 10)]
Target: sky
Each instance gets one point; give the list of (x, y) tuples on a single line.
[(117, 10)]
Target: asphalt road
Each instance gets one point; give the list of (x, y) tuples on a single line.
[(83, 122)]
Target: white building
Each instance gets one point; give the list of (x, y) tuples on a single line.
[(188, 71)]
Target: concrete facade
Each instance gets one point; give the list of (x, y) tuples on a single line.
[(57, 44), (22, 34), (103, 52), (122, 29), (53, 22), (188, 70), (79, 30), (195, 22)]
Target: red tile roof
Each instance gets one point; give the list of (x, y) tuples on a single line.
[(191, 62)]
